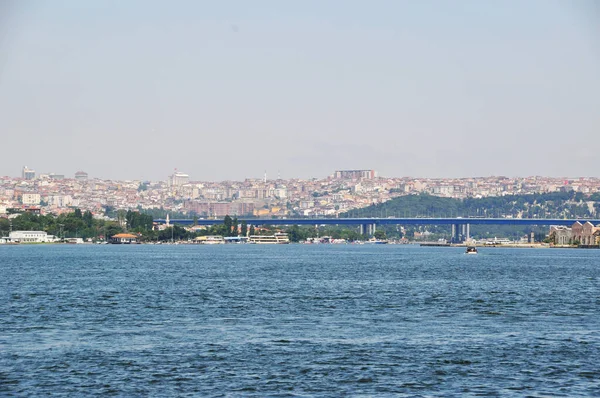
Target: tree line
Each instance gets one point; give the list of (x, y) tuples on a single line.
[(568, 204)]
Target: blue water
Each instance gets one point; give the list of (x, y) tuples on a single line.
[(298, 320)]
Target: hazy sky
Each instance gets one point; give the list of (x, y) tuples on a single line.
[(228, 89)]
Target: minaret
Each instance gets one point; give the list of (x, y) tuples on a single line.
[(265, 176)]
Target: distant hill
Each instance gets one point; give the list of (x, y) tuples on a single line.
[(550, 205), (544, 205)]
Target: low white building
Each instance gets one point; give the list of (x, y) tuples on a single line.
[(30, 237)]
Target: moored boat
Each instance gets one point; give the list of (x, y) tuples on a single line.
[(278, 238)]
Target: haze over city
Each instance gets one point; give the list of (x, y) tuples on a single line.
[(227, 90)]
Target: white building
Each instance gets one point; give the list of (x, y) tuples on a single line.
[(178, 179), (60, 200), (31, 199), (30, 237)]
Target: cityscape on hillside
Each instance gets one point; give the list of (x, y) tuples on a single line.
[(180, 193)]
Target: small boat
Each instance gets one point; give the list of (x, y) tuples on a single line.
[(471, 250)]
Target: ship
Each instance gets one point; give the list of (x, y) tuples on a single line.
[(278, 238)]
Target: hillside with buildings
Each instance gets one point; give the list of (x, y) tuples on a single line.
[(343, 193)]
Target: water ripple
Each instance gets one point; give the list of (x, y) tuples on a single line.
[(242, 320)]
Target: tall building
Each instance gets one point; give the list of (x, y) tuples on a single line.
[(355, 174), (27, 174), (178, 179)]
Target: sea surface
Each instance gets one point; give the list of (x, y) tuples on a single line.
[(298, 320)]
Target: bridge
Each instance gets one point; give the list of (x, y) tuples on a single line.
[(460, 226)]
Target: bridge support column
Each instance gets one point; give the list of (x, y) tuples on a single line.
[(458, 233), (468, 232), (368, 229)]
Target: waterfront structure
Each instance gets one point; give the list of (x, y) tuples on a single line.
[(561, 235), (123, 239), (30, 237), (585, 233), (210, 240), (278, 238)]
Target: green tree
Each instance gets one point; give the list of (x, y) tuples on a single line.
[(295, 234), (4, 227), (380, 234), (234, 223), (244, 228), (228, 223), (121, 216), (88, 218)]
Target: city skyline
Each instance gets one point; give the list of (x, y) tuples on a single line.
[(225, 91), (192, 177)]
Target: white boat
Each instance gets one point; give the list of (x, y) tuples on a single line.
[(278, 238), (471, 250), (377, 241), (210, 240)]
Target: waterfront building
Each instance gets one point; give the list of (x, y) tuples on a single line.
[(561, 235), (30, 237), (123, 239), (585, 234)]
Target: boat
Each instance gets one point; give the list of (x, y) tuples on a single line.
[(278, 238), (210, 240), (471, 250)]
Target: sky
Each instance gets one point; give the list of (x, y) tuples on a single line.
[(228, 90)]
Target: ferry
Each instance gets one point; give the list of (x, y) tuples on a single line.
[(471, 250), (278, 238), (210, 240), (377, 241)]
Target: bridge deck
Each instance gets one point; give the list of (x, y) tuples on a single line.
[(392, 221)]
